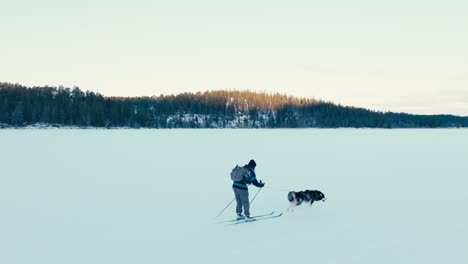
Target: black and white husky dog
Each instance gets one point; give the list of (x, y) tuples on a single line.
[(307, 196)]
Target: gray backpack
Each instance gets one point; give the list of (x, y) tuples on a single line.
[(239, 173)]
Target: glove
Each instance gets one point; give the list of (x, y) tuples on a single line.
[(262, 183)]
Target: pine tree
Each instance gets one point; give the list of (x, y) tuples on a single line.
[(17, 117)]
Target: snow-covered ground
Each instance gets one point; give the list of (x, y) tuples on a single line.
[(150, 196)]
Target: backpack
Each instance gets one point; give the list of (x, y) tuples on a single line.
[(239, 173)]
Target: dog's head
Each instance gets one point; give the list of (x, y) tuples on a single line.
[(319, 196), (314, 195)]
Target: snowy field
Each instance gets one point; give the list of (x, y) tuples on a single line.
[(150, 196)]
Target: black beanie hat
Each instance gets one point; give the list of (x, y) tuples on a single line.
[(252, 163)]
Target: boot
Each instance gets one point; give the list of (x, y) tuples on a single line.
[(249, 219)]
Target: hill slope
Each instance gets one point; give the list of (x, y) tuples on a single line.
[(22, 106)]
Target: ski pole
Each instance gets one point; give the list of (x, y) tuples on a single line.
[(225, 207), (255, 195)]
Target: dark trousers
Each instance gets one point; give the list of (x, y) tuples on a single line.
[(242, 200)]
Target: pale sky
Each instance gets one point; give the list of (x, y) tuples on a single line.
[(404, 56)]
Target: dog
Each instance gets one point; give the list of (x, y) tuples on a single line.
[(307, 196)]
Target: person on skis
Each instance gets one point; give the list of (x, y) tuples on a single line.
[(241, 191)]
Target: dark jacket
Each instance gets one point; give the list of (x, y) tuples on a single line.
[(252, 178)]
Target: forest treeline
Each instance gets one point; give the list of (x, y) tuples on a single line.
[(60, 106)]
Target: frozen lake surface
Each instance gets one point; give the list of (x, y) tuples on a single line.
[(150, 196)]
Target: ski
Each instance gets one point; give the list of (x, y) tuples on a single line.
[(255, 216), (256, 219)]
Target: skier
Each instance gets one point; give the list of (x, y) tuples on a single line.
[(241, 191)]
